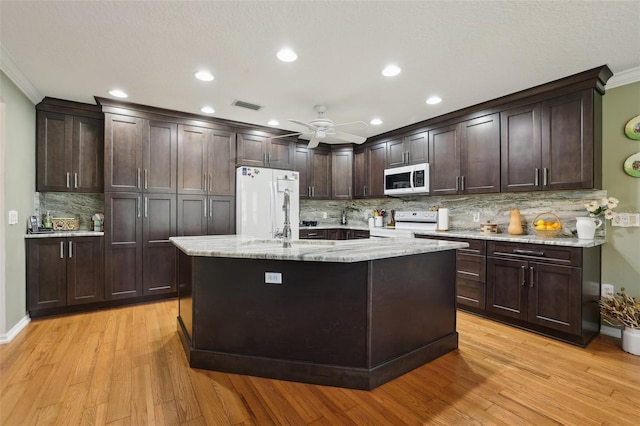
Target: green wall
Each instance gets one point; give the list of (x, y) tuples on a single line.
[(621, 254), (20, 175)]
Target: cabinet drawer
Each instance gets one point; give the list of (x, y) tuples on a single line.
[(537, 252), (470, 267), (307, 234), (359, 234), (475, 246), (470, 293)]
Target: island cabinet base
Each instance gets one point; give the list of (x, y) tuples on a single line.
[(356, 325)]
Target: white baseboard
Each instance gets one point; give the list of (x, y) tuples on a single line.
[(611, 331), (15, 330)]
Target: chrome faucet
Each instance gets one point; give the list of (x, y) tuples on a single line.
[(286, 231)]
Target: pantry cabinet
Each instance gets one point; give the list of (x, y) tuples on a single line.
[(63, 272), (69, 147), (201, 215)]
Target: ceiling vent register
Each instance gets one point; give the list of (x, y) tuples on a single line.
[(247, 105)]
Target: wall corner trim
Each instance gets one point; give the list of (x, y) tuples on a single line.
[(9, 67), (15, 330), (623, 78)]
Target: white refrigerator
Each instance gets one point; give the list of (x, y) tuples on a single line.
[(260, 201)]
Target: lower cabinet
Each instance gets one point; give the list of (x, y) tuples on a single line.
[(206, 215), (63, 272), (333, 234)]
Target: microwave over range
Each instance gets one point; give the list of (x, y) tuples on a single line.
[(407, 180)]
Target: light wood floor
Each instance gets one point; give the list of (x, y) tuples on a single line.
[(126, 366)]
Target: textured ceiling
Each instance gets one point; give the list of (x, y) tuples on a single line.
[(464, 51)]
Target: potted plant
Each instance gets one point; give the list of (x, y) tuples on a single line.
[(623, 309)]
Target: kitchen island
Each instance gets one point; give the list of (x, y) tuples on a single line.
[(353, 314)]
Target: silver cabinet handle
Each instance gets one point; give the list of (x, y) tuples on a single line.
[(146, 179), (349, 191), (457, 183), (210, 186), (529, 252), (61, 249), (138, 178), (204, 177), (309, 191), (536, 177), (70, 249), (68, 183), (545, 176), (522, 268), (139, 202), (210, 208), (75, 180), (204, 208), (531, 276), (268, 158), (313, 191), (462, 179), (365, 190), (146, 206)]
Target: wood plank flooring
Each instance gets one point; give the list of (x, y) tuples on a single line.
[(125, 366)]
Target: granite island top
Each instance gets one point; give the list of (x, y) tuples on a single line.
[(343, 251)]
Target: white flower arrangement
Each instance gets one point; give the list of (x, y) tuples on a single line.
[(605, 207)]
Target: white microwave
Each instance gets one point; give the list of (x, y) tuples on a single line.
[(407, 180)]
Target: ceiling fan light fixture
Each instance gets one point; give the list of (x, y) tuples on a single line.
[(207, 110), (434, 100), (391, 70), (375, 122), (273, 122), (287, 55), (118, 93), (204, 75)]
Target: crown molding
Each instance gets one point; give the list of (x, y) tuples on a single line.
[(623, 78), (9, 67)]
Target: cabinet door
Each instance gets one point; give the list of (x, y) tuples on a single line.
[(252, 150), (192, 215), (555, 297), (159, 254), (417, 147), (444, 160), (507, 287), (123, 153), (46, 273), (54, 152), (280, 153), (396, 152), (480, 155), (88, 155), (159, 157), (85, 270), (192, 160), (123, 245), (222, 216), (520, 149), (567, 142), (359, 173), (301, 165), (320, 173), (341, 173), (221, 162), (376, 163)]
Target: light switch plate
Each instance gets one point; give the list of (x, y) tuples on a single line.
[(13, 217), (273, 277)]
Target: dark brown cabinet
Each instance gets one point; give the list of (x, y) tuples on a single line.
[(201, 215), (369, 162), (158, 253), (263, 151), (341, 173), (314, 167), (206, 161), (551, 145), (63, 272), (408, 149), (69, 147), (464, 157), (333, 234)]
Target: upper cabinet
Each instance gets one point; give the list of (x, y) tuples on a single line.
[(314, 166), (342, 173), (407, 149), (69, 147), (263, 151), (552, 145)]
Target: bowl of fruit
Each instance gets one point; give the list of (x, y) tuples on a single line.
[(547, 225)]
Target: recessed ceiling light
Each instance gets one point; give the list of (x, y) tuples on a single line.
[(434, 100), (207, 110), (376, 122), (273, 122), (391, 70), (204, 75), (287, 55), (118, 93)]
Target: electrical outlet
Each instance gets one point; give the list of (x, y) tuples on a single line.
[(606, 290), (273, 277), (626, 219), (324, 215), (476, 216)]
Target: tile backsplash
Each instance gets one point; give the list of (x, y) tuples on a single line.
[(62, 204), (491, 207)]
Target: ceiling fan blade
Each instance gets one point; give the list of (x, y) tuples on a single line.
[(348, 137), (314, 142), (362, 123), (302, 123), (287, 135)]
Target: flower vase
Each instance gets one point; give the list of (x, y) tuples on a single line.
[(631, 340), (586, 227)]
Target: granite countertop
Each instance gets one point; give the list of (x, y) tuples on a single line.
[(560, 240), (64, 234), (346, 251)]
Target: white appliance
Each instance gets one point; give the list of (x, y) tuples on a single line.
[(260, 200), (407, 180), (407, 224)]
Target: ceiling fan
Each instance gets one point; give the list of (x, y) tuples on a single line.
[(323, 130)]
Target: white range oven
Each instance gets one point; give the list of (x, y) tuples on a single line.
[(407, 224)]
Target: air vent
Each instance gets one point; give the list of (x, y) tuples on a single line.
[(247, 105)]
